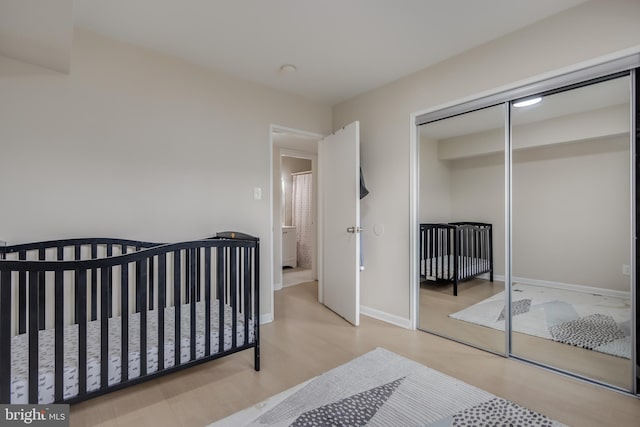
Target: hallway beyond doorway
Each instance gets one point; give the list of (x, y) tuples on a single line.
[(296, 276)]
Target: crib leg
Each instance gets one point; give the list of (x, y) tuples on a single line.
[(256, 357), (455, 288)]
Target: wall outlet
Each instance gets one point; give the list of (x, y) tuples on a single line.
[(626, 269)]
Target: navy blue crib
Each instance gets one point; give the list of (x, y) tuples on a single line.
[(82, 317), (455, 252)]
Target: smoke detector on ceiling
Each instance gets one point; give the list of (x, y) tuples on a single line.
[(288, 68)]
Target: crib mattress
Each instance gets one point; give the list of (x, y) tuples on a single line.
[(438, 268), (46, 374)]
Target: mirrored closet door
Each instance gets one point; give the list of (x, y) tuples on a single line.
[(526, 220), (461, 218), (571, 230)]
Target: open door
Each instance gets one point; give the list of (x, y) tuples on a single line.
[(339, 182)]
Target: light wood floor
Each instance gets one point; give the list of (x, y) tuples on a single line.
[(306, 339), (437, 302)]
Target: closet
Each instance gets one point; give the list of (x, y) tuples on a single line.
[(551, 166)]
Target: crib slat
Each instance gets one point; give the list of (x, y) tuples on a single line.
[(5, 337), (94, 285), (256, 305), (176, 304), (141, 274), (110, 281), (469, 253), (33, 337), (456, 259), (220, 294), (22, 296), (233, 289), (246, 293), (124, 318), (162, 293), (104, 328), (207, 301), (59, 328), (42, 296), (77, 254), (434, 253), (491, 252), (151, 283), (192, 286), (199, 274), (81, 304), (478, 254), (187, 287)]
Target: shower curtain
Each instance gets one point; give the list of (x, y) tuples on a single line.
[(301, 216)]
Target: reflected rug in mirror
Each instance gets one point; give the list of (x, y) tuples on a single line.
[(594, 322), (382, 388)]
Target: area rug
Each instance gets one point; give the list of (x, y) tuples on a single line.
[(382, 388), (594, 322)]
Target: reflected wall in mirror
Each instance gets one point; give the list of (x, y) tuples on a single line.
[(571, 219), (461, 215)]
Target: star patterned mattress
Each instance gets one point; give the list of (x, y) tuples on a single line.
[(438, 268), (46, 374)]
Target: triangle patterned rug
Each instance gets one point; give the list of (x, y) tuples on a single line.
[(382, 388), (594, 322)]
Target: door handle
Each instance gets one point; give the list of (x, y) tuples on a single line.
[(354, 229)]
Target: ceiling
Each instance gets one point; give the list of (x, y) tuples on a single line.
[(340, 48)]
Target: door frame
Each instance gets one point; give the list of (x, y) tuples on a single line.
[(275, 128)]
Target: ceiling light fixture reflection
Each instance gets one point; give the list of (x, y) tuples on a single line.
[(527, 102)]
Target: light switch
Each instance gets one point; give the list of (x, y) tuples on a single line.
[(257, 193)]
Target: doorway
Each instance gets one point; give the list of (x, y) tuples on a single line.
[(295, 217), (298, 215), (336, 252)]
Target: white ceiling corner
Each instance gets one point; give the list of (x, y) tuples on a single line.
[(38, 32)]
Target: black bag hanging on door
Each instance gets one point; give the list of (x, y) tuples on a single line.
[(363, 188)]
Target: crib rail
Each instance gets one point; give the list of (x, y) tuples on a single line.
[(65, 250), (51, 285), (456, 251)]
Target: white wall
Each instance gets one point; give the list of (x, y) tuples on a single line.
[(571, 213), (138, 145), (435, 187), (578, 35)]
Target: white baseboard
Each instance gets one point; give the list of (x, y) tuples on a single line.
[(277, 286), (571, 287), (266, 318), (566, 286), (385, 317)]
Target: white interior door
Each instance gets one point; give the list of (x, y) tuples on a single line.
[(339, 188)]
